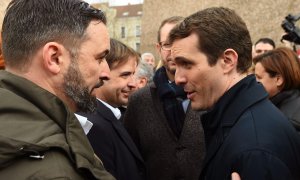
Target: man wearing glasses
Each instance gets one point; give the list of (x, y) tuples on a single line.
[(159, 119)]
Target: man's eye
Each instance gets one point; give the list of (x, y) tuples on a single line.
[(185, 64), (100, 60)]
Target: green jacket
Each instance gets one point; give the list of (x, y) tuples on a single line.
[(40, 138)]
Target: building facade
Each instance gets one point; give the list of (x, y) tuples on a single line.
[(263, 17), (124, 23)]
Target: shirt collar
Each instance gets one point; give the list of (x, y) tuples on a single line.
[(85, 123), (115, 111)]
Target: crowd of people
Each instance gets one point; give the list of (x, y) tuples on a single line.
[(78, 104)]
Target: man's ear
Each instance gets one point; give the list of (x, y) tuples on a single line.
[(53, 56), (143, 81), (229, 60), (157, 46)]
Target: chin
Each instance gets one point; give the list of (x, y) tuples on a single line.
[(124, 102), (195, 107), (198, 107)]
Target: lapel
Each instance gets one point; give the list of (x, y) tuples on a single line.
[(228, 117), (106, 113), (158, 105), (190, 115)]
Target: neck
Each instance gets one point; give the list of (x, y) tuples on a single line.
[(234, 80)]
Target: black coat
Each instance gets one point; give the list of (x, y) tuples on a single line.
[(114, 146), (289, 103), (247, 134)]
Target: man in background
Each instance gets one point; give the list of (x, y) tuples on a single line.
[(143, 75), (149, 59), (167, 132), (263, 45), (108, 136)]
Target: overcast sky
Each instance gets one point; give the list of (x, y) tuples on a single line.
[(116, 2)]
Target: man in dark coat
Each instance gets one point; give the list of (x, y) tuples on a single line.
[(159, 119), (108, 136), (244, 131)]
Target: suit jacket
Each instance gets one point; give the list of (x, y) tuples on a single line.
[(247, 134), (166, 156), (114, 146)]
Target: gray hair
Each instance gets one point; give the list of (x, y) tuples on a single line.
[(144, 70), (146, 54)]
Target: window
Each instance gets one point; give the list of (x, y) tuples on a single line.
[(138, 31), (122, 32), (137, 46)]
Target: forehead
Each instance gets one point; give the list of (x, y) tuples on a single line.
[(259, 68), (263, 46), (97, 36), (186, 46), (165, 30), (149, 57), (129, 63)]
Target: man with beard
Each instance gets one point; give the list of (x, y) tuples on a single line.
[(55, 56), (167, 132), (108, 136)]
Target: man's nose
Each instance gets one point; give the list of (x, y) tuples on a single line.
[(104, 71), (132, 82), (180, 79)]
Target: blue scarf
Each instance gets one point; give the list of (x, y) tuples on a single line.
[(172, 96)]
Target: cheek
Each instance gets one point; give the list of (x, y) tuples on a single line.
[(270, 86), (91, 69)]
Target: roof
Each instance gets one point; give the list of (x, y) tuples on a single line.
[(129, 10)]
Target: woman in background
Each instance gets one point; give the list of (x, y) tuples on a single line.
[(279, 72)]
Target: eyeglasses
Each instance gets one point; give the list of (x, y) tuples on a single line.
[(165, 46)]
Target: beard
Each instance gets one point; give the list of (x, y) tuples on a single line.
[(168, 67), (75, 88)]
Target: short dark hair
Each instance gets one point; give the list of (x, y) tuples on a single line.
[(29, 24), (281, 61), (217, 29), (170, 20), (119, 53), (266, 41)]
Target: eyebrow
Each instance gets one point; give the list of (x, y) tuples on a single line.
[(126, 73), (181, 59), (102, 54)]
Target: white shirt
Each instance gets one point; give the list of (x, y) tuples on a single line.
[(115, 111), (85, 123), (185, 104)]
